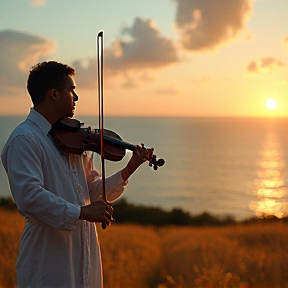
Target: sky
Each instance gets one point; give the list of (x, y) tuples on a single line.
[(187, 58)]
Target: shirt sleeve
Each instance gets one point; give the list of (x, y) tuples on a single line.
[(115, 186), (24, 170)]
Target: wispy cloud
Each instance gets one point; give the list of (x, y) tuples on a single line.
[(38, 2), (166, 91), (19, 51), (205, 24), (265, 65)]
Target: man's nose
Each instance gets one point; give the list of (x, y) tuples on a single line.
[(75, 96)]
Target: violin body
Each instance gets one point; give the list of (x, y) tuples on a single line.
[(70, 137)]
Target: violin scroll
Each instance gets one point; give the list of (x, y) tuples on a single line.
[(152, 158)]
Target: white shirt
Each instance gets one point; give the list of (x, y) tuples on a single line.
[(56, 249)]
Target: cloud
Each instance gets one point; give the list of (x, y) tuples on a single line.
[(19, 51), (205, 24), (38, 2), (265, 65), (86, 72), (133, 80), (166, 91), (146, 50)]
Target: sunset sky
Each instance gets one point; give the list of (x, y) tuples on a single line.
[(162, 58)]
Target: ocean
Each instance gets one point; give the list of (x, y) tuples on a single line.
[(223, 166)]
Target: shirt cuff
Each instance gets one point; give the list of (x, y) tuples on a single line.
[(72, 215)]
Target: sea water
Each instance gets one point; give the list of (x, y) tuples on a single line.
[(224, 166)]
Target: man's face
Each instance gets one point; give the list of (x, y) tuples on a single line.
[(67, 98)]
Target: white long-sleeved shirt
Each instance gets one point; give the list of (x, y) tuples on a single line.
[(49, 187)]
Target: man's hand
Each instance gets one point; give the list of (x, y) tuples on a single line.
[(98, 211), (140, 155)]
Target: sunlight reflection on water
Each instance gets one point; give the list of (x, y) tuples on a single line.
[(270, 188)]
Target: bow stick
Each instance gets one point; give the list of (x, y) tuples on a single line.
[(101, 109)]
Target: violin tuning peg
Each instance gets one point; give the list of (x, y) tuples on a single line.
[(160, 162), (155, 167)]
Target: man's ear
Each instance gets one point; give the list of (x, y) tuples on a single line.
[(53, 94)]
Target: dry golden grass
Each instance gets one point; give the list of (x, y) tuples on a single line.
[(138, 257), (131, 256), (11, 226), (229, 257), (238, 256)]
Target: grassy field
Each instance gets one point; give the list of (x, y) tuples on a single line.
[(137, 256), (11, 226)]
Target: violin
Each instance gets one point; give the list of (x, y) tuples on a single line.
[(70, 136)]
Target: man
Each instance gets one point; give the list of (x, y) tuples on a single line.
[(57, 193)]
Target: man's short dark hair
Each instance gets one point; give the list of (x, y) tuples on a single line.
[(45, 76)]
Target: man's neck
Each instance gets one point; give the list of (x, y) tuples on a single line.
[(48, 115)]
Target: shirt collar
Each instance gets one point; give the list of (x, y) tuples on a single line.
[(40, 121)]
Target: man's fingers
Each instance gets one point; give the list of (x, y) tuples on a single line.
[(111, 209), (98, 211), (108, 214)]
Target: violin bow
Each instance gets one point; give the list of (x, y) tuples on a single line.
[(101, 110)]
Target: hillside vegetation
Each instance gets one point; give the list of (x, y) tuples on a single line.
[(129, 213)]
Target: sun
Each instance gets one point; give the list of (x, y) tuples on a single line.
[(271, 104)]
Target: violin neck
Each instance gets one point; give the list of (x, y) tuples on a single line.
[(119, 143)]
